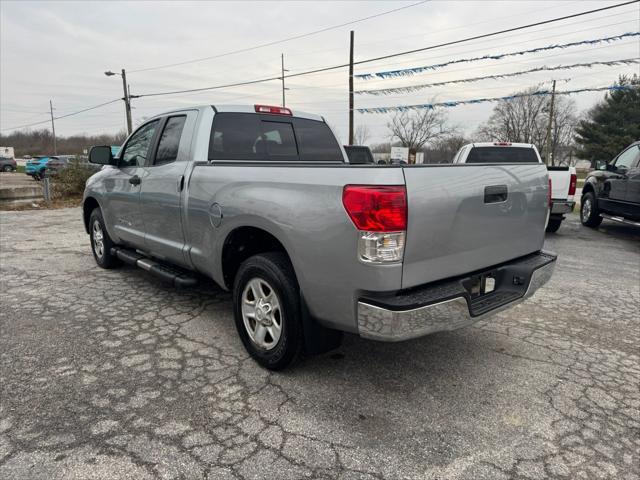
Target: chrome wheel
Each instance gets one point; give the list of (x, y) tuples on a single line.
[(261, 313), (586, 209), (98, 239)]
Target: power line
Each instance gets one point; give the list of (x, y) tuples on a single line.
[(64, 116), (276, 42), (455, 103), (360, 62)]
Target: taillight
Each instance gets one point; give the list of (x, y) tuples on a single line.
[(380, 215), (502, 144), (549, 194), (272, 110), (573, 183)]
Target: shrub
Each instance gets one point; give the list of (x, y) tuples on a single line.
[(70, 181)]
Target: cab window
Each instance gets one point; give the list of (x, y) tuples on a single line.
[(137, 149), (627, 158), (170, 140)]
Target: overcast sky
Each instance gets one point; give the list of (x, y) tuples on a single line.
[(60, 50)]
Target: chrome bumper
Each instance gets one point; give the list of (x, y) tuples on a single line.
[(378, 323), (561, 206)]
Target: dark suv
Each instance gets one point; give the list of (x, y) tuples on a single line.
[(612, 191), (7, 164)]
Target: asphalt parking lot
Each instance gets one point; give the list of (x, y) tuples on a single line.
[(111, 374)]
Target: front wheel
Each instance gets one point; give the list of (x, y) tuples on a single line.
[(266, 301), (101, 242), (7, 168), (589, 215)]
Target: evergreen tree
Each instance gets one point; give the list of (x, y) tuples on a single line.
[(612, 124)]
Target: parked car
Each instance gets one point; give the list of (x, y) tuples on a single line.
[(359, 155), (55, 165), (265, 203), (36, 167), (612, 191), (563, 179), (8, 164)]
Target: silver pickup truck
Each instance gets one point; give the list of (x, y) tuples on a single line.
[(265, 203)]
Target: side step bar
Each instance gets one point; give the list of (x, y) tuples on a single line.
[(170, 274), (620, 219)]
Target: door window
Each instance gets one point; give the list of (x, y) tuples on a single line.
[(170, 140), (627, 158), (137, 148)]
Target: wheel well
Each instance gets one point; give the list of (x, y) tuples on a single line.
[(88, 206), (587, 188), (243, 243)]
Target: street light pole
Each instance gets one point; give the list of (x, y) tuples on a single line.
[(127, 101), (126, 98)]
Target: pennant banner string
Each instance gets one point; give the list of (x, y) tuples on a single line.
[(415, 88), (412, 71), (455, 103)]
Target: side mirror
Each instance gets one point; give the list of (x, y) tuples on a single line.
[(101, 155), (601, 165)]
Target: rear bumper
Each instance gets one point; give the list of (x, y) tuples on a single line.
[(449, 305), (561, 206)]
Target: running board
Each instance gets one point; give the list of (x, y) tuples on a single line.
[(170, 274), (620, 219)]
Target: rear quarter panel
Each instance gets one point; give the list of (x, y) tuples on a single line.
[(302, 207)]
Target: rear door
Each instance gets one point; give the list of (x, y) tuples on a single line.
[(124, 186), (162, 188), (468, 217)]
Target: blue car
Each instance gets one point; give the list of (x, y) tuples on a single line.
[(36, 167)]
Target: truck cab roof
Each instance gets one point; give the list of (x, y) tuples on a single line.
[(247, 109)]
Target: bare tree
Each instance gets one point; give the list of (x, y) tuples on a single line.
[(524, 119), (361, 135), (417, 129)]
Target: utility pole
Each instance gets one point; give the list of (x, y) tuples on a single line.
[(127, 101), (53, 128), (549, 159), (283, 87), (126, 98), (351, 89)]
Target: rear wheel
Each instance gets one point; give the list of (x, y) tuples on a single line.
[(101, 242), (554, 225), (266, 301), (589, 215)]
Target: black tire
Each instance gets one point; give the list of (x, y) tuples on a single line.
[(275, 269), (554, 224), (589, 214), (7, 168), (103, 258)]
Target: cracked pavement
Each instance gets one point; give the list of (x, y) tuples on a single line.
[(112, 374)]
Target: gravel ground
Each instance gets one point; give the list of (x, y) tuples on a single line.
[(111, 374)]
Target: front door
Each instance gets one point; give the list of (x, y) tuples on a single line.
[(162, 188), (615, 186), (124, 187)]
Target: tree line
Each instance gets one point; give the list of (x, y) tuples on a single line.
[(40, 142)]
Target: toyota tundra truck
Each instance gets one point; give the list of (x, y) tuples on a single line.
[(263, 201)]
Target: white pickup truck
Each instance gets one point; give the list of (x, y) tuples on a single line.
[(563, 179)]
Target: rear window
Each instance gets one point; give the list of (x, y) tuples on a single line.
[(502, 155), (247, 136)]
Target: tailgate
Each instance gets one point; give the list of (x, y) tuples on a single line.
[(464, 218), (560, 178)]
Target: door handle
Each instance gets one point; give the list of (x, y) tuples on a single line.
[(135, 180)]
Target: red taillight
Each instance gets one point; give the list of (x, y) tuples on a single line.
[(376, 208), (272, 110), (502, 144), (549, 194), (573, 183)]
